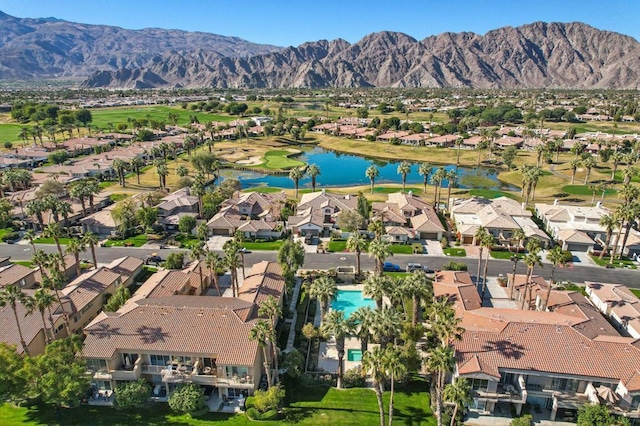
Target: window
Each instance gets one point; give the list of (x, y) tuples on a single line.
[(159, 359), (233, 371), (96, 364), (479, 384), (635, 402)]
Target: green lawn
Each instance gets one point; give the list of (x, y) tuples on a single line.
[(279, 160), (156, 112), (105, 184), (504, 255), (401, 249), (337, 246), (397, 274), (635, 291), (118, 197), (262, 245), (490, 193), (188, 241), (263, 189), (5, 231), (27, 263), (585, 190), (137, 241), (617, 263), (63, 241), (455, 252), (393, 189)]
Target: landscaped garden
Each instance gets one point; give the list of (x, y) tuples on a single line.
[(279, 160), (401, 249), (505, 254), (455, 251), (135, 241), (262, 245), (617, 263), (43, 240)]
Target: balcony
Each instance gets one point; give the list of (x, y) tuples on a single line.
[(152, 369), (503, 393), (208, 375), (130, 372), (235, 381)]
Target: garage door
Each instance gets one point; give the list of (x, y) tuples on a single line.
[(577, 247), (224, 232), (428, 236)]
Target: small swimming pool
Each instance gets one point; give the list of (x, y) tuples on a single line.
[(350, 300), (354, 355)]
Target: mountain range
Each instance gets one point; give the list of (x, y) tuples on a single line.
[(538, 55)]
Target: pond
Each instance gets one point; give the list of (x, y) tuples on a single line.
[(339, 169)]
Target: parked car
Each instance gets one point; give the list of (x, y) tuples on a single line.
[(414, 267), (390, 267), (153, 257)]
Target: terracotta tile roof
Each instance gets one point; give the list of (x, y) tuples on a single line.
[(125, 266), (263, 280), (573, 236), (169, 284), (633, 383), (12, 274), (88, 286), (474, 365), (181, 325)]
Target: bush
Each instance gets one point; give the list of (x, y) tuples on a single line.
[(293, 363), (174, 261), (187, 398), (526, 420), (132, 395), (455, 266), (268, 400), (8, 145), (444, 242), (353, 378), (254, 414), (10, 236)]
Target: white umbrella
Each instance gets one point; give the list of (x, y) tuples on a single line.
[(607, 395)]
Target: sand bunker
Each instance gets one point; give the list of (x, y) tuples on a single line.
[(251, 161)]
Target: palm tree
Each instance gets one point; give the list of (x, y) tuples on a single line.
[(196, 253), (295, 175), (441, 361), (323, 290), (486, 242), (386, 325), (419, 287), (437, 179), (556, 257), (75, 246), (40, 301), (90, 239), (629, 173), (623, 214), (260, 333), (163, 171), (361, 321), (531, 259), (313, 171), (459, 142), (357, 243), (444, 322), (30, 235), (479, 236), (376, 287), (12, 295), (451, 177), (373, 361), (573, 165), (136, 165), (516, 239), (404, 168), (377, 227), (394, 368), (213, 262), (379, 249), (272, 310), (336, 325), (372, 173), (608, 222), (54, 231), (589, 163), (120, 166), (424, 170), (232, 261), (459, 393)]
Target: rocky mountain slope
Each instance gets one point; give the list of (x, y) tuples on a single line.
[(52, 48)]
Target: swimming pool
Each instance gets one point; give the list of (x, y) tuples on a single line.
[(350, 300), (354, 355)]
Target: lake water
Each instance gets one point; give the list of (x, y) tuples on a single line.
[(348, 170)]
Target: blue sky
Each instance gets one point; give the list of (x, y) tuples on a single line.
[(285, 23)]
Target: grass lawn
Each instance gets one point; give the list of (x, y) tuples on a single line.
[(5, 231), (279, 160), (262, 245), (137, 241), (393, 189), (63, 241), (585, 190), (118, 197), (397, 274), (187, 241), (455, 252), (635, 291), (617, 263), (156, 112), (105, 184), (336, 246), (504, 255), (263, 189), (401, 249), (27, 263), (490, 193)]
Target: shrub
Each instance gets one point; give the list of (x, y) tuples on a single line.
[(10, 236), (268, 400), (187, 398), (444, 242), (353, 378), (174, 261), (8, 145), (254, 414), (293, 363), (455, 266), (132, 395), (526, 420)]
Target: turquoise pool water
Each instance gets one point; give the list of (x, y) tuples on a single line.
[(354, 355), (350, 300)]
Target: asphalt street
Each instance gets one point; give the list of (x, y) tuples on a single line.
[(576, 273)]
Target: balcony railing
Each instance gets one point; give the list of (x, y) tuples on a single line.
[(128, 372)]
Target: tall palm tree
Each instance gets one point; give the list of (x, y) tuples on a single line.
[(479, 236), (441, 361), (373, 362), (260, 333), (556, 257), (295, 175), (573, 165), (376, 287), (622, 215), (196, 253), (323, 290), (531, 259), (339, 327), (459, 142), (450, 177), (30, 235), (386, 325), (377, 227), (54, 231), (313, 171), (424, 170), (12, 295), (437, 179), (357, 243), (394, 369), (628, 173), (404, 168), (136, 165), (444, 322), (361, 321), (90, 239), (588, 162), (75, 246), (459, 393), (419, 287), (379, 249), (272, 310), (232, 261), (608, 222), (41, 301), (516, 239), (372, 173), (487, 243), (120, 166), (56, 282), (213, 262)]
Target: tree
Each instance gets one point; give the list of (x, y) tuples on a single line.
[(373, 362), (479, 236), (214, 262), (58, 376), (268, 400), (404, 168), (376, 287), (136, 165), (12, 295), (59, 156), (187, 398), (573, 165), (272, 310), (313, 170), (92, 240), (419, 287), (336, 325), (594, 415), (11, 366), (486, 241), (42, 301), (380, 250), (350, 221), (531, 259), (556, 257), (132, 395), (124, 215), (377, 227), (608, 222), (394, 368), (53, 230), (163, 171), (459, 393), (118, 299), (424, 170), (356, 243), (290, 257), (361, 321), (372, 173), (75, 246), (438, 177), (295, 175), (261, 333), (186, 224), (120, 166), (440, 362), (589, 163), (509, 154), (174, 261), (323, 290)]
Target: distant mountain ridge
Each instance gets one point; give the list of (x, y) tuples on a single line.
[(54, 48), (538, 55)]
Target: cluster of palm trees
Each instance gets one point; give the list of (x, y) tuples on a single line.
[(531, 174), (298, 173), (623, 218), (264, 332)]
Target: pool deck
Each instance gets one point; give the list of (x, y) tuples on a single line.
[(328, 359)]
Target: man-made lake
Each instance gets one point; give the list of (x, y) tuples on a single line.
[(349, 170)]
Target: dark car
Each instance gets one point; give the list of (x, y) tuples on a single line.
[(390, 267), (153, 257)]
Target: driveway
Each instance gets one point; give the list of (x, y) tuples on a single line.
[(217, 241)]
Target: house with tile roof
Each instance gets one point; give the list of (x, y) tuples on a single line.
[(15, 274), (256, 215), (499, 216), (317, 213), (169, 339), (619, 304), (407, 217), (557, 359)]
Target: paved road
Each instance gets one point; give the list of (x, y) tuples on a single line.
[(576, 273)]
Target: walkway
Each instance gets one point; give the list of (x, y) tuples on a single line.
[(294, 318), (497, 296)]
